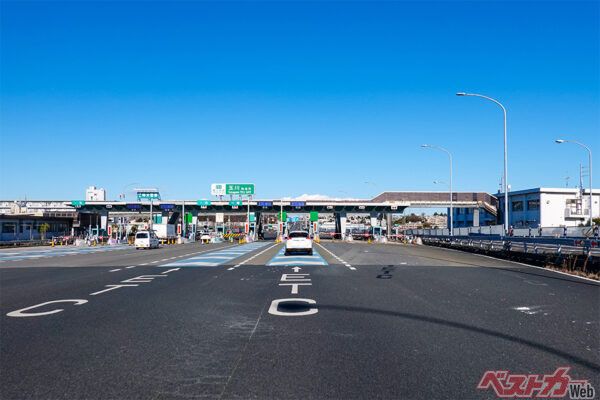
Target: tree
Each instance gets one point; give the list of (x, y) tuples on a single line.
[(43, 229)]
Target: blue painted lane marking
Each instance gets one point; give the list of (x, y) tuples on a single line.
[(282, 260), (20, 255), (216, 257)]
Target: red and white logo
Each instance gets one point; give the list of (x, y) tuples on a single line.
[(555, 385)]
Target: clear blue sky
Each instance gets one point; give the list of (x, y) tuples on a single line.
[(296, 97)]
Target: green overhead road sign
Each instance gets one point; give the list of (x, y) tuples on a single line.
[(235, 202), (203, 202), (188, 218), (78, 203), (284, 216), (239, 188), (314, 216), (252, 217), (147, 195)]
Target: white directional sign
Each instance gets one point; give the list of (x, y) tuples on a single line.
[(217, 189)]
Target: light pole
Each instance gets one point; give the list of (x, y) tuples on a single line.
[(590, 167), (505, 157), (374, 184), (451, 203)]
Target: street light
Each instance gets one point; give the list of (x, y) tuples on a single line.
[(451, 204), (590, 167), (125, 187), (374, 184), (505, 157)]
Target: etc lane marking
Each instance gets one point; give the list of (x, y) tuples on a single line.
[(21, 313), (133, 282), (338, 258), (251, 258), (294, 280), (170, 270)]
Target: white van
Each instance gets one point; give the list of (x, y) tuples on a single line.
[(146, 240)]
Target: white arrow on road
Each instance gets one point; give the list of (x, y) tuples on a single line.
[(296, 269)]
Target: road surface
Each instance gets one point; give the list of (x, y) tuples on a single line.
[(355, 320)]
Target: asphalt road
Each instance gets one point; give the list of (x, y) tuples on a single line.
[(368, 321)]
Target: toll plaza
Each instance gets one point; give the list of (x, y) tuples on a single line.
[(255, 214)]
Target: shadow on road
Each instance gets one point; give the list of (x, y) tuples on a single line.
[(297, 307)]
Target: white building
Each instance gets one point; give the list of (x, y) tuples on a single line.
[(93, 194), (550, 207), (545, 207)]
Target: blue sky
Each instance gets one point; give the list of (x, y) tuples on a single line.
[(296, 97)]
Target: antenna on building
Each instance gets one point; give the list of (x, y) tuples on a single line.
[(567, 178), (501, 186)]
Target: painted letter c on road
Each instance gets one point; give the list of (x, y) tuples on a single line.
[(275, 304), (22, 313)]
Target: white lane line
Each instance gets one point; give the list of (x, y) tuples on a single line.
[(165, 259), (132, 266), (337, 257), (115, 270), (170, 270), (251, 258)]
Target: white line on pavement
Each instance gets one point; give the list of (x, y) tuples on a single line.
[(114, 270), (256, 255), (337, 257), (132, 266)]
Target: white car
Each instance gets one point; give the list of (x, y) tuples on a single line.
[(146, 240), (298, 242)]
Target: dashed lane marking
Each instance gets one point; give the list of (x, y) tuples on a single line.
[(115, 270), (251, 258), (347, 264)]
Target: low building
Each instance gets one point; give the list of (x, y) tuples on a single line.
[(93, 194), (550, 207), (33, 227), (462, 217), (532, 208)]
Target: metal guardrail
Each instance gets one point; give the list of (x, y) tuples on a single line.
[(574, 250), (579, 232)]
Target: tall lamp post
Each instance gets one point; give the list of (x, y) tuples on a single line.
[(451, 204), (590, 167), (505, 157)]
